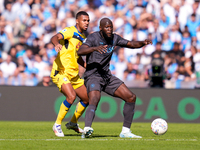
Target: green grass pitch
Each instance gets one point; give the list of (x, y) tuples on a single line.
[(39, 136)]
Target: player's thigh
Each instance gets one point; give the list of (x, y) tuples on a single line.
[(81, 92), (64, 85), (59, 79), (113, 84), (80, 89), (94, 87), (69, 92), (94, 84), (124, 93)]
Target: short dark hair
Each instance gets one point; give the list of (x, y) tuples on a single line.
[(81, 13)]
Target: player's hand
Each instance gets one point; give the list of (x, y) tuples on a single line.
[(146, 42), (101, 49), (58, 47)]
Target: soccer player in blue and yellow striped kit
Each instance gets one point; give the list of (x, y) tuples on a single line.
[(65, 71)]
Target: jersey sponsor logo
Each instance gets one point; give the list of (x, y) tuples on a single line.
[(110, 49), (78, 45)]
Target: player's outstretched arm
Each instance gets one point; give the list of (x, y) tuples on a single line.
[(138, 44), (55, 41), (85, 49)]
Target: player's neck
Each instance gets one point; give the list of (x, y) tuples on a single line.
[(79, 29)]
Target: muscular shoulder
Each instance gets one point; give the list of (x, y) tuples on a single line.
[(68, 31), (117, 36), (93, 35), (91, 38), (120, 41)]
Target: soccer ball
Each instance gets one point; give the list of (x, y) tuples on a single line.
[(159, 126)]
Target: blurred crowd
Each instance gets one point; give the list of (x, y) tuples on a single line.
[(26, 26)]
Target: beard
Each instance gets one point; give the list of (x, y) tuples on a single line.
[(107, 37)]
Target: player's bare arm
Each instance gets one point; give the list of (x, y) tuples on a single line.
[(55, 41), (81, 62), (85, 49), (138, 44)]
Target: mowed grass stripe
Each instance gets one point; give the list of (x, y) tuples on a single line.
[(90, 139), (20, 135)]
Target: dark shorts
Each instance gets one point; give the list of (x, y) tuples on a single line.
[(99, 84)]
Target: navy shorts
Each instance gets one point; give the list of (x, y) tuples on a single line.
[(109, 86)]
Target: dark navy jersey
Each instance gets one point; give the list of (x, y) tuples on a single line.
[(97, 63)]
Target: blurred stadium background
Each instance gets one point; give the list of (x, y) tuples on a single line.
[(26, 27)]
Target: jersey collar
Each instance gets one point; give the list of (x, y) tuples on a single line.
[(78, 30)]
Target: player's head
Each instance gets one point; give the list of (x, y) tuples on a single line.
[(82, 21), (106, 27)]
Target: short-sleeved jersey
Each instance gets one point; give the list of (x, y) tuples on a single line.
[(97, 63), (66, 60)]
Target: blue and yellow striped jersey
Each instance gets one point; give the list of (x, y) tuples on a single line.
[(66, 60)]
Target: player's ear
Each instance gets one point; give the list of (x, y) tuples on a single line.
[(77, 21)]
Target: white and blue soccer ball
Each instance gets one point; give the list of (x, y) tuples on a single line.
[(159, 126)]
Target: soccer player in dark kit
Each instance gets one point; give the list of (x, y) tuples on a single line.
[(98, 49)]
